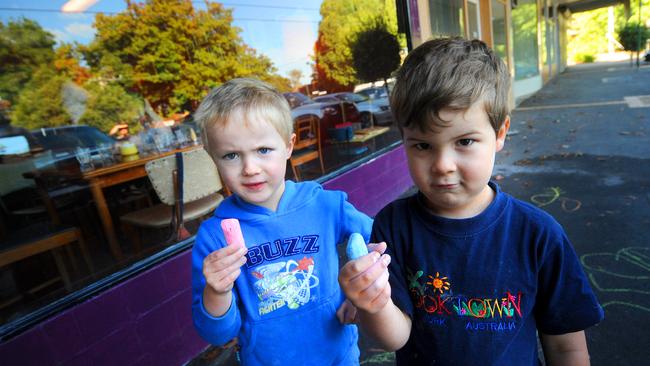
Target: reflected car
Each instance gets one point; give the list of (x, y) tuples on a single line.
[(63, 141), (296, 99), (331, 113), (373, 111), (374, 92)]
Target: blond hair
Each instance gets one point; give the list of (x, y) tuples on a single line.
[(250, 97)]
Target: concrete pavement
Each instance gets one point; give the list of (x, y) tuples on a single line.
[(581, 152)]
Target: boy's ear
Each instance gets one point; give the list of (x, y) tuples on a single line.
[(290, 144), (502, 133)]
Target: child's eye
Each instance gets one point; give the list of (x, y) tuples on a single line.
[(264, 150), (229, 156), (421, 146), (465, 142)]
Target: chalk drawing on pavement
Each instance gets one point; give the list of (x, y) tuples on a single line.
[(553, 194), (628, 269)]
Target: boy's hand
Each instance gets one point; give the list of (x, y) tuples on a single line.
[(222, 267), (365, 280), (347, 312)]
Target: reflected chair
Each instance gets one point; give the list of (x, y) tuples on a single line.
[(37, 239), (188, 187), (308, 145), (344, 135)]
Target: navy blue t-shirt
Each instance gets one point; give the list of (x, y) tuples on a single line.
[(477, 289)]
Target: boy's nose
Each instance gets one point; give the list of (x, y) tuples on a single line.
[(250, 167), (443, 163)]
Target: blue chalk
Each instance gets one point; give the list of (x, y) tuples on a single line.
[(356, 247)]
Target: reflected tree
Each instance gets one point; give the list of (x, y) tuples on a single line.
[(40, 102), (171, 53), (375, 53), (24, 47), (341, 21)]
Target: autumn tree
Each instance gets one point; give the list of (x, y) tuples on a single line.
[(172, 53), (40, 103), (67, 62), (24, 47), (341, 21)]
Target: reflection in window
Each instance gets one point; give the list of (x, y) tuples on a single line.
[(499, 30), (473, 20), (447, 18), (79, 122), (524, 23)]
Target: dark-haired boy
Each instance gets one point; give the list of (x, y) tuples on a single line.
[(474, 273)]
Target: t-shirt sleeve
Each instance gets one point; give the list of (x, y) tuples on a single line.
[(565, 301), (384, 229), (215, 330)]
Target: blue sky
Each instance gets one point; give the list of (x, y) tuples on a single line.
[(285, 31)]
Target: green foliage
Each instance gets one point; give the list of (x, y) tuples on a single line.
[(109, 104), (584, 58), (171, 53), (24, 47), (375, 53), (39, 103), (341, 21), (633, 36), (587, 33)]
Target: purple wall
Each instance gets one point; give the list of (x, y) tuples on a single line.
[(147, 320)]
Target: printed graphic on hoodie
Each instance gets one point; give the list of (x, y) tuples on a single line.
[(284, 284)]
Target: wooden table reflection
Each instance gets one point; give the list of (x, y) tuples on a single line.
[(108, 176)]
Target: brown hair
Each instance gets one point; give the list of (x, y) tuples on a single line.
[(449, 73), (246, 96)]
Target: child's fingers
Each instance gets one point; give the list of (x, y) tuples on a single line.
[(222, 258), (377, 247), (224, 252), (346, 313), (222, 281), (368, 277), (381, 299), (377, 286), (355, 267)]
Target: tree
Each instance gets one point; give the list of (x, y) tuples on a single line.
[(172, 53), (294, 79), (40, 102), (341, 21), (633, 36), (66, 61), (108, 104), (24, 47), (375, 53)]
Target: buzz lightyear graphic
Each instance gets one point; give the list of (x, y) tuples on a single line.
[(284, 284)]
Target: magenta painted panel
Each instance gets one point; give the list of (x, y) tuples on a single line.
[(146, 320)]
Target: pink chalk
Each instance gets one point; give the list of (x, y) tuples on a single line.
[(232, 232)]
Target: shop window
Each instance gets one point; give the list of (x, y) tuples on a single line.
[(447, 18), (525, 50), (80, 122), (499, 30)]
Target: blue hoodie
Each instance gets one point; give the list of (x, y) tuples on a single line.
[(288, 293)]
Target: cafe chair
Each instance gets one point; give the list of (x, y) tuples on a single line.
[(343, 134), (188, 186), (307, 146), (37, 239)]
